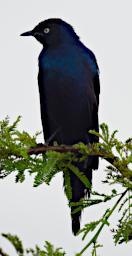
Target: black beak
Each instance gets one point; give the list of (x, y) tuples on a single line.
[(28, 33)]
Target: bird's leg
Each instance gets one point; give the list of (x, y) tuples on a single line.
[(47, 142), (52, 136)]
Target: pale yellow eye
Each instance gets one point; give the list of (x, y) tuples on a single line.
[(46, 30)]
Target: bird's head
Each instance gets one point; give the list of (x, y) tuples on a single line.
[(53, 32)]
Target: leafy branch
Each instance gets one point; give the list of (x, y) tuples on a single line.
[(104, 221), (48, 249), (20, 153)]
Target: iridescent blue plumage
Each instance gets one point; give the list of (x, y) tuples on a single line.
[(69, 95)]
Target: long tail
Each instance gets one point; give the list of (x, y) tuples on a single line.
[(79, 191)]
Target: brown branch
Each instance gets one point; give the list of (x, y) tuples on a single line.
[(39, 149), (42, 148), (109, 157)]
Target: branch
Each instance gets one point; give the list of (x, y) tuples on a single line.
[(104, 222), (42, 148), (92, 151)]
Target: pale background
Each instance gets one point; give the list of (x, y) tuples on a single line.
[(39, 214)]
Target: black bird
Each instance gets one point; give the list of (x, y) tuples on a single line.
[(69, 95)]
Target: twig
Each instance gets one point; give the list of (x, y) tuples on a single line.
[(94, 239)]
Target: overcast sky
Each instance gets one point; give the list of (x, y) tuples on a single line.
[(39, 214)]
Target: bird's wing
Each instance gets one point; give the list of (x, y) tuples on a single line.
[(96, 84), (90, 62), (96, 81)]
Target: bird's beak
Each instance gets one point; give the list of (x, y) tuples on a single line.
[(28, 33)]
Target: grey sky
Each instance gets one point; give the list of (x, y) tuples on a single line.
[(38, 214)]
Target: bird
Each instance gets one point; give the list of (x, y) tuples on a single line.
[(69, 88)]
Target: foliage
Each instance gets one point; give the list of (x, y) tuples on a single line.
[(48, 249), (16, 242), (15, 158)]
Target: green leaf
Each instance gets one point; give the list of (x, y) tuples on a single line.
[(80, 175), (68, 189), (16, 242)]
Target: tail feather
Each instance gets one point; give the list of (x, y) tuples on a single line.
[(79, 191), (75, 222)]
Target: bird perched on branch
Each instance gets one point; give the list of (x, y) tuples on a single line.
[(69, 96)]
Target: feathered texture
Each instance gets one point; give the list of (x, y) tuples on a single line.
[(69, 96), (79, 190), (60, 22)]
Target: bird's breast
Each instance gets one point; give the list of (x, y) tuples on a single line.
[(64, 82), (65, 66)]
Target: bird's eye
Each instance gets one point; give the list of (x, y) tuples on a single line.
[(46, 30)]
